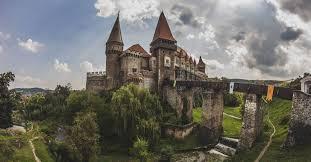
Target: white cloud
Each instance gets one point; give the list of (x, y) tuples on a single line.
[(190, 36), (131, 10), (213, 64), (105, 8), (22, 81), (30, 45), (61, 67), (89, 67), (4, 36)]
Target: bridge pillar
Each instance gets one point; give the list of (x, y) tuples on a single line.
[(252, 121), (181, 101), (299, 131), (188, 104), (213, 107)]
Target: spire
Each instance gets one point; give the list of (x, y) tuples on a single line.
[(163, 30), (116, 35), (201, 61)]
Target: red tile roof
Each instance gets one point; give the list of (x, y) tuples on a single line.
[(140, 49), (163, 30)]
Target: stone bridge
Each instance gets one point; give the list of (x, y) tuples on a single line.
[(180, 95)]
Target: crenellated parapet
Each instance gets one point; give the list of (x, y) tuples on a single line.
[(97, 73)]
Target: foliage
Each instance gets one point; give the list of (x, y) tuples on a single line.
[(197, 115), (8, 100), (50, 105), (62, 152), (140, 149), (233, 100), (42, 151), (6, 150), (136, 113), (295, 84), (84, 135)]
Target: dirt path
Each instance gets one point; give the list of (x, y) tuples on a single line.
[(231, 116), (34, 149), (268, 144)]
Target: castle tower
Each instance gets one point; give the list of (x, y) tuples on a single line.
[(201, 65), (114, 48), (163, 47)]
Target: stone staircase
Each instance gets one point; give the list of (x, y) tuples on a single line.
[(225, 148)]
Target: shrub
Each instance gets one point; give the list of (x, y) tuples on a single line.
[(140, 149)]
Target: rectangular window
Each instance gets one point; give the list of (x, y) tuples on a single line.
[(134, 70)]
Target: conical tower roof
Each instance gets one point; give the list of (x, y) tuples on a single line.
[(163, 30), (116, 35)]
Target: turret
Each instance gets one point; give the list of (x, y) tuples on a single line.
[(114, 48), (201, 65), (163, 47)]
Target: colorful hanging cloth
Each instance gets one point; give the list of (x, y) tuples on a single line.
[(270, 92), (231, 87)]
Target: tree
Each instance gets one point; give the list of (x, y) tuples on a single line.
[(136, 112), (84, 135), (7, 100)]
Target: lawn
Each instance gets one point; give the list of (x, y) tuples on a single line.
[(42, 151), (279, 112), (24, 154), (231, 126)]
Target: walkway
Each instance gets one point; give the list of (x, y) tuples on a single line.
[(231, 116), (34, 149), (32, 145), (268, 144)]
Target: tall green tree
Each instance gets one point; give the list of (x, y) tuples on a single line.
[(136, 113), (84, 135), (7, 100)]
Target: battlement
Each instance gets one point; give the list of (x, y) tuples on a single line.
[(97, 73)]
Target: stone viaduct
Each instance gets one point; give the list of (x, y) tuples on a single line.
[(180, 94)]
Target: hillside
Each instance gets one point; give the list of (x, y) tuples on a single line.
[(279, 112), (31, 91)]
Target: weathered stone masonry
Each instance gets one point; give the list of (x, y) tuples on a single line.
[(252, 121), (213, 107), (300, 124)]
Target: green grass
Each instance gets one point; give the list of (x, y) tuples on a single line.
[(232, 127), (42, 151), (197, 115), (24, 154), (279, 112), (235, 111)]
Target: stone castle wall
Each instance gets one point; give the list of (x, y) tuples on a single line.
[(300, 124)]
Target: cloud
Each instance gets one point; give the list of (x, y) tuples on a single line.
[(300, 7), (291, 34), (1, 49), (61, 67), (4, 36), (213, 64), (131, 10), (28, 81), (239, 37), (30, 45), (185, 15), (89, 67)]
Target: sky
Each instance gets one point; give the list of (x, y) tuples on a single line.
[(50, 42)]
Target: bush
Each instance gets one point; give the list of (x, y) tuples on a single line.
[(233, 100), (140, 149)]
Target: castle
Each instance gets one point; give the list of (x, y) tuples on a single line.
[(135, 65)]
